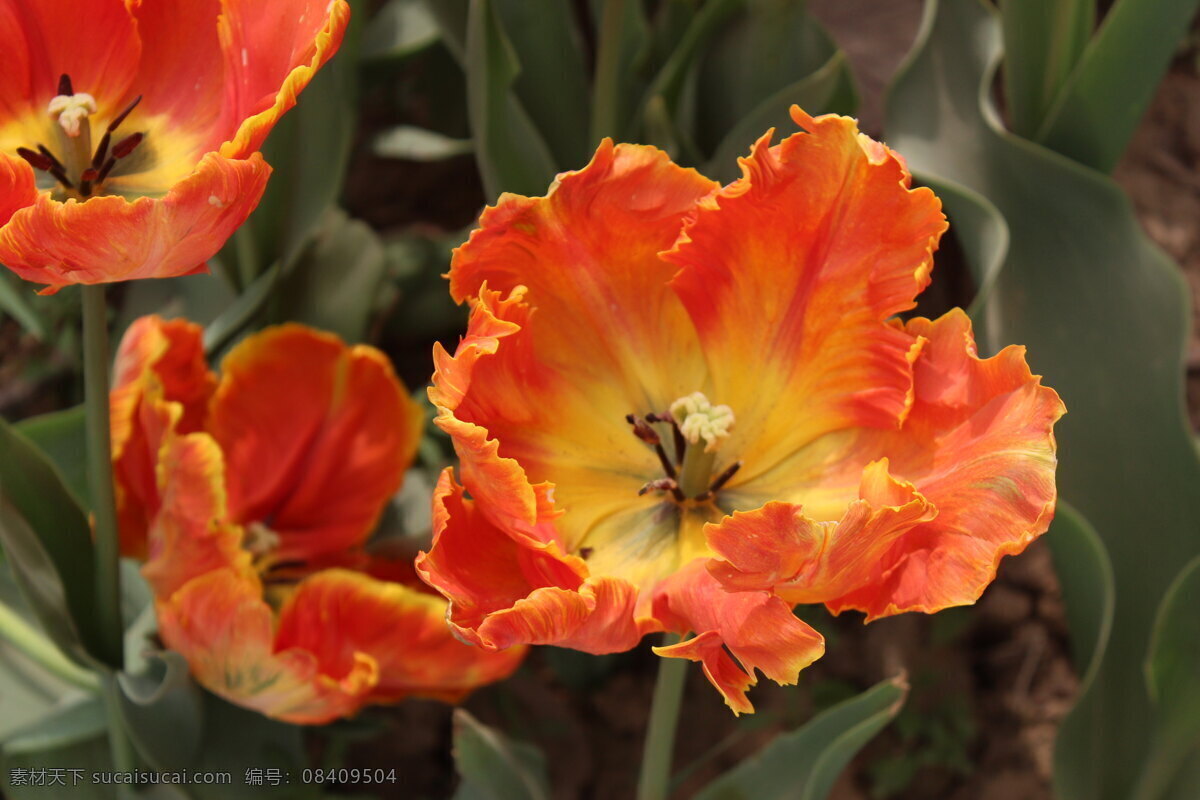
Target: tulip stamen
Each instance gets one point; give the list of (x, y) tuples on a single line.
[(695, 440), (642, 430), (676, 434), (72, 110), (720, 481), (663, 484)]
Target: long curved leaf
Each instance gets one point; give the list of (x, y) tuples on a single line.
[(46, 535), (804, 764), (1105, 314)]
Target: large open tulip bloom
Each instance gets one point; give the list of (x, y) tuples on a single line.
[(251, 497), (129, 129), (684, 407)]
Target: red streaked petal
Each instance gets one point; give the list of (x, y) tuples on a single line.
[(94, 42), (980, 446), (222, 626), (340, 616), (758, 628), (272, 50), (110, 239), (161, 383), (191, 535), (507, 589), (172, 353), (573, 327), (17, 186), (778, 548), (722, 671), (316, 436), (790, 274), (182, 71)]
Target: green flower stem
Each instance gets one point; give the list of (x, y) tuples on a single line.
[(104, 510), (25, 638), (655, 779), (606, 92), (99, 459)]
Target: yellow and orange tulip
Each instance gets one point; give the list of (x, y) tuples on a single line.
[(688, 408), (251, 497), (129, 129)]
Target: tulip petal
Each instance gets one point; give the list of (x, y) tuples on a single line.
[(979, 445), (316, 437), (756, 628), (95, 43), (191, 535), (272, 50), (225, 630), (161, 383), (778, 548), (17, 186), (507, 589), (343, 616), (183, 71), (109, 238), (790, 274), (587, 332)]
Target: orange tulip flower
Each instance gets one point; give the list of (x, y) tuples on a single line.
[(252, 497), (687, 408), (129, 129)]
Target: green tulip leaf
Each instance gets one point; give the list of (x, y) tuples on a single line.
[(1110, 89), (494, 767), (46, 536), (804, 763), (400, 29), (512, 155), (1104, 314), (61, 436), (1173, 675), (1042, 44)]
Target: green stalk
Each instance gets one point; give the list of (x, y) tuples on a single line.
[(42, 652), (104, 510), (655, 778), (606, 92), (99, 460)]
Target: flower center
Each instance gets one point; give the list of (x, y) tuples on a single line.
[(696, 428), (79, 169)]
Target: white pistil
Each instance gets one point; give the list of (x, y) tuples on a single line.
[(704, 426), (701, 421), (260, 540), (70, 110)]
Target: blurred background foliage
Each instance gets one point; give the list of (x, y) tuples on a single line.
[(1015, 112)]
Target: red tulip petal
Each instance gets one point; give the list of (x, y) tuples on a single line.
[(980, 446), (778, 548), (17, 186), (183, 71), (758, 629), (161, 383), (112, 239), (94, 42), (272, 50), (191, 535), (540, 387), (222, 626), (342, 616), (507, 589), (316, 437), (790, 274)]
